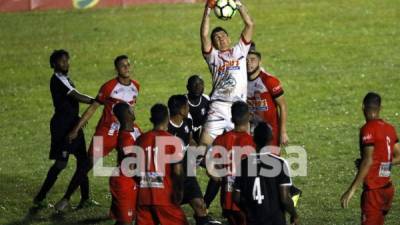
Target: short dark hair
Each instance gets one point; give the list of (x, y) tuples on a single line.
[(118, 59), (120, 110), (159, 113), (239, 110), (216, 30), (57, 54), (175, 104), (253, 50), (372, 101), (262, 134), (194, 78)]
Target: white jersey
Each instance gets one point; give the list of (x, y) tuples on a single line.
[(229, 72)]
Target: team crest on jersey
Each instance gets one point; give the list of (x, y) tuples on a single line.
[(84, 4)]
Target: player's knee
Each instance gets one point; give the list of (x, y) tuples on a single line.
[(60, 165)]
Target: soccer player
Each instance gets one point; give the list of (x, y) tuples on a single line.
[(160, 194), (120, 89), (123, 188), (264, 197), (266, 99), (198, 104), (379, 150), (228, 68), (236, 138), (181, 126), (66, 101)]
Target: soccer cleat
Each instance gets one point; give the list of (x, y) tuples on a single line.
[(87, 203), (61, 205), (212, 221)]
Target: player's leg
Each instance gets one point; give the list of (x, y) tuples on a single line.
[(211, 192), (146, 216), (123, 203), (48, 183), (235, 217), (109, 143)]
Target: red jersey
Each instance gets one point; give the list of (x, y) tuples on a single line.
[(156, 188), (111, 93), (230, 140), (127, 139), (383, 137), (261, 94)]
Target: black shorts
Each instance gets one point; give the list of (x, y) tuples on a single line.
[(277, 218), (60, 148), (191, 190)]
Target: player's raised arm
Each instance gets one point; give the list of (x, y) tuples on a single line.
[(205, 27), (247, 32), (366, 163)]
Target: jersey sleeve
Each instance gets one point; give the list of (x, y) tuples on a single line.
[(242, 47), (103, 94), (210, 55), (63, 85), (366, 137), (283, 178), (274, 87)]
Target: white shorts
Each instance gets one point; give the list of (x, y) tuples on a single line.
[(218, 119)]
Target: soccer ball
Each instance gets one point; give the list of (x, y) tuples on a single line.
[(225, 9)]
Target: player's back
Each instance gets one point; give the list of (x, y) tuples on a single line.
[(260, 188), (383, 137), (233, 141), (155, 184)]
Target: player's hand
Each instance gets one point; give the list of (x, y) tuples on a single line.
[(211, 3), (346, 197), (72, 135), (284, 139), (294, 220)]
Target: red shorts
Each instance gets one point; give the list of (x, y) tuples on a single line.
[(235, 217), (123, 204), (102, 143), (164, 215), (375, 204)]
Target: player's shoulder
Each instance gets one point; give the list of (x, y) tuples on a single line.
[(267, 77), (135, 83), (110, 84)]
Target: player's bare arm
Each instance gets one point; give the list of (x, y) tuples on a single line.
[(177, 180), (282, 106), (396, 154), (84, 119), (81, 97), (248, 30), (365, 165), (205, 27), (288, 204)]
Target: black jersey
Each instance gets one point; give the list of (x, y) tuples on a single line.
[(65, 107), (183, 130), (198, 112), (259, 188)]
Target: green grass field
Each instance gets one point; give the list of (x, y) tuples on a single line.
[(327, 53)]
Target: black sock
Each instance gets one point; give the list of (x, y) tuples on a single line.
[(211, 192), (48, 182), (84, 189), (201, 220)]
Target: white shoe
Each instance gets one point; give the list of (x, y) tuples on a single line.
[(61, 205)]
